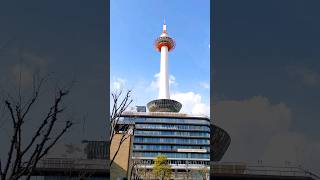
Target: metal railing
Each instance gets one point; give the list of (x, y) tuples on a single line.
[(261, 169), (60, 163), (163, 114)]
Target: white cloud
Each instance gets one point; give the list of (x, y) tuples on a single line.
[(192, 103), (201, 109), (172, 80)]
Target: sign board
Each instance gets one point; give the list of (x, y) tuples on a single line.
[(192, 150)]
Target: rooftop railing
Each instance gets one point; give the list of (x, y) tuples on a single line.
[(163, 114), (60, 163), (261, 169)]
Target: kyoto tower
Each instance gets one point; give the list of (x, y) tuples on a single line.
[(164, 44)]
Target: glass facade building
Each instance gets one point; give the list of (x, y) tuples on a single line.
[(184, 139)]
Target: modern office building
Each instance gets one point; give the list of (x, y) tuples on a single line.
[(162, 130), (183, 138)]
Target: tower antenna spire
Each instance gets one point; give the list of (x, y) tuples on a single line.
[(164, 27)]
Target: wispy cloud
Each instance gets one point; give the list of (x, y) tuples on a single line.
[(155, 83), (31, 65), (118, 84), (306, 75), (204, 85)]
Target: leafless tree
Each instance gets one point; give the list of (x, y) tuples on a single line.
[(24, 155), (139, 170), (134, 171), (120, 104)]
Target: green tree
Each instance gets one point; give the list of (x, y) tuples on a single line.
[(162, 168)]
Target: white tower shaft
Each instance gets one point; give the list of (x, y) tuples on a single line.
[(164, 77)]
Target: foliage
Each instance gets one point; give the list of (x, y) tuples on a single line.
[(162, 168)]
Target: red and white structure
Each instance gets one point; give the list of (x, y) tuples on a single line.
[(164, 44)]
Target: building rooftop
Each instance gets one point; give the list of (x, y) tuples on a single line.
[(163, 114)]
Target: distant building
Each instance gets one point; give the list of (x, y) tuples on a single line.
[(260, 171), (141, 109), (87, 161), (96, 149)]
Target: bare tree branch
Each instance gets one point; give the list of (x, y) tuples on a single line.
[(13, 140), (119, 106), (34, 97), (67, 126), (0, 168), (46, 138), (37, 134), (18, 164)]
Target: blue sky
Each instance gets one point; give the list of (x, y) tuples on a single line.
[(134, 62)]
